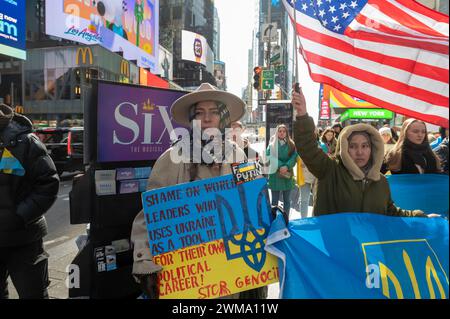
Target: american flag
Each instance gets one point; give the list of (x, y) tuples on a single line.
[(393, 54)]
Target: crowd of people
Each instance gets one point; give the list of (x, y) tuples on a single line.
[(342, 168), (338, 169)]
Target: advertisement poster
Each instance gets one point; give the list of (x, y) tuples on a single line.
[(128, 26), (219, 74), (12, 28), (165, 63), (209, 243), (134, 123)]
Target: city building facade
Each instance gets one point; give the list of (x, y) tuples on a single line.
[(195, 16)]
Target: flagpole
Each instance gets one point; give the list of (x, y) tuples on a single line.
[(295, 43), (296, 83)]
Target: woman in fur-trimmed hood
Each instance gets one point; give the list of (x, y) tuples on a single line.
[(351, 181)]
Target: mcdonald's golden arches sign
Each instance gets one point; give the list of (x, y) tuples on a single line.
[(125, 68), (84, 52)]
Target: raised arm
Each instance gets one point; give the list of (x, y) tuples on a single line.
[(317, 162)]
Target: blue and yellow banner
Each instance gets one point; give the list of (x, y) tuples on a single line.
[(209, 236), (9, 164), (362, 256), (427, 192)]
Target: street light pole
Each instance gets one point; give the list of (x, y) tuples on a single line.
[(269, 20)]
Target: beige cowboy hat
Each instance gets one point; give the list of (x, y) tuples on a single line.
[(206, 92)]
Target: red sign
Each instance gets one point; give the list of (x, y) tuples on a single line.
[(149, 79), (324, 110)]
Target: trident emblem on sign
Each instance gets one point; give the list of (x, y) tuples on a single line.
[(249, 242)]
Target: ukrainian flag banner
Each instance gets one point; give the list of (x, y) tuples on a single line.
[(427, 192), (362, 256), (9, 164)]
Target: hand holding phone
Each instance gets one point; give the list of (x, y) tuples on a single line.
[(298, 101)]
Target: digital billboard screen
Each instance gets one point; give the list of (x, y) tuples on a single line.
[(195, 48), (12, 28), (128, 26)]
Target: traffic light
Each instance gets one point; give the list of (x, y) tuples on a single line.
[(257, 77), (279, 95)]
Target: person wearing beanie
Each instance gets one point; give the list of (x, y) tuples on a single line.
[(337, 128), (28, 188), (386, 135), (351, 181)]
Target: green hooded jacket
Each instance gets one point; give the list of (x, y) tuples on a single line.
[(342, 186), (283, 158)]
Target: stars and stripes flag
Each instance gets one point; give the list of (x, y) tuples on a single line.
[(393, 54)]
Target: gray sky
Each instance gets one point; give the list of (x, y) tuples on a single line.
[(236, 27)]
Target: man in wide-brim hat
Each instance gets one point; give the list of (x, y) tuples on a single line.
[(216, 110)]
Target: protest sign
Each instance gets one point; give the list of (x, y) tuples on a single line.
[(209, 236)]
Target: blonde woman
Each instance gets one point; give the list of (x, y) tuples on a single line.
[(412, 153)]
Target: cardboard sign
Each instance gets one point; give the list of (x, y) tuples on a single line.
[(209, 236)]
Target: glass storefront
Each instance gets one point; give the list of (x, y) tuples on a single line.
[(56, 80)]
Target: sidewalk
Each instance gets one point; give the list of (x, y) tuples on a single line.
[(60, 257)]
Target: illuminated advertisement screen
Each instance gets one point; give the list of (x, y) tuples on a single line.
[(128, 26), (12, 28), (195, 48)]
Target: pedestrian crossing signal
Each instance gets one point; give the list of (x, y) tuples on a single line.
[(257, 77), (279, 95)]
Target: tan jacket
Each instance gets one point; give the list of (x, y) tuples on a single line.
[(166, 173)]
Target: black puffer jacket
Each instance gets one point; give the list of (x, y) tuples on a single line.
[(24, 199)]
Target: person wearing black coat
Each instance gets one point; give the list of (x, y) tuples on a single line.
[(29, 186)]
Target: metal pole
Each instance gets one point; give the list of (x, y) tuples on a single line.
[(269, 20), (296, 79), (295, 43)]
